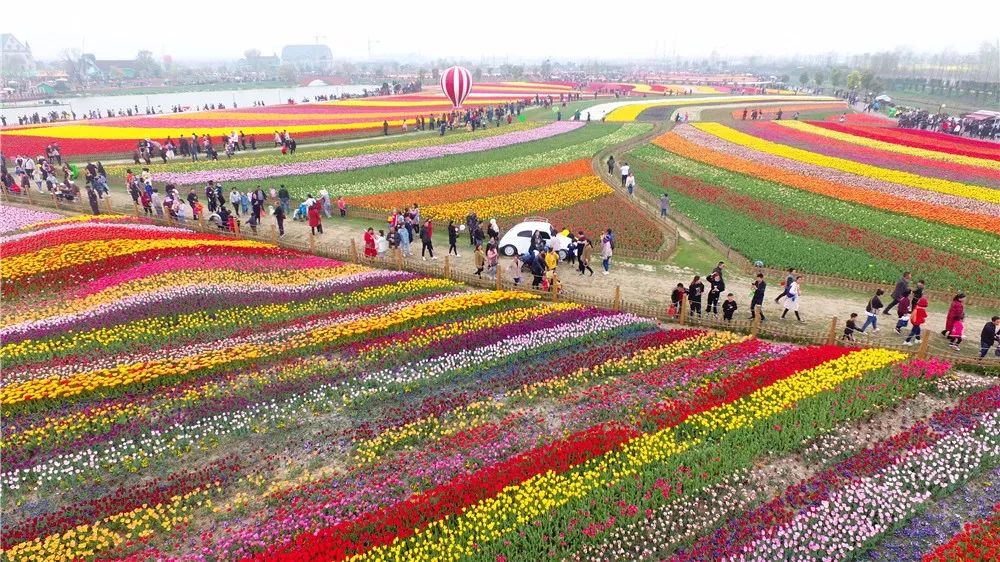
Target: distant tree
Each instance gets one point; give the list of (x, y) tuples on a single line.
[(804, 78), (854, 80), (146, 66), (436, 74), (288, 72), (477, 74), (546, 69), (837, 77), (785, 79), (819, 77), (870, 81), (421, 74), (251, 54)]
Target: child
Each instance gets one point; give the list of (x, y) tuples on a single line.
[(871, 310), (729, 308), (676, 298), (918, 318), (903, 311), (852, 326), (957, 331)]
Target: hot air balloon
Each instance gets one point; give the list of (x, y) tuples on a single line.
[(456, 83)]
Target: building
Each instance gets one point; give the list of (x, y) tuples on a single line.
[(308, 58), (90, 68), (17, 61)]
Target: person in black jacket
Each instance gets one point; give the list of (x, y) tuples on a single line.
[(989, 336), (757, 299), (716, 286), (902, 286), (695, 291), (279, 217), (729, 307), (452, 238)]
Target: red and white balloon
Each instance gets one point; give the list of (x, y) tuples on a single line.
[(456, 83)]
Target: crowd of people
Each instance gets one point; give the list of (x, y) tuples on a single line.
[(986, 129)]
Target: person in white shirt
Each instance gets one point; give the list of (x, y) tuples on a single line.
[(625, 170), (630, 184)]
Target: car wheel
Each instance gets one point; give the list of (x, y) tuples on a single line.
[(508, 250)]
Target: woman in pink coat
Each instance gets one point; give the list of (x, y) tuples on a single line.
[(955, 311)]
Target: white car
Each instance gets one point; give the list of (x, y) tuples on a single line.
[(517, 240)]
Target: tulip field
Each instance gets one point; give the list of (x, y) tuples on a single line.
[(177, 395), (845, 200), (321, 119)]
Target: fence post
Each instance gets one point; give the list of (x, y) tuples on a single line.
[(236, 226), (447, 266), (201, 221), (399, 258), (55, 200), (498, 285), (107, 203), (354, 250), (755, 325), (27, 193), (831, 337), (618, 297), (553, 287), (136, 209), (683, 312), (274, 234), (922, 350), (312, 243)]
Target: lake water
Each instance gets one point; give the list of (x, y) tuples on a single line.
[(242, 98)]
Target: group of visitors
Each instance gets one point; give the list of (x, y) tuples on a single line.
[(987, 129), (910, 303), (44, 172)]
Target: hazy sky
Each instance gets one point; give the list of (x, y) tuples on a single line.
[(214, 29)]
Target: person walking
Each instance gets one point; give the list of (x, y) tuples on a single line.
[(759, 286), (630, 184), (452, 238), (234, 200), (514, 269), (472, 224), (716, 287), (369, 237), (990, 336), (315, 220), (404, 241), (850, 328), (955, 311), (917, 319), (664, 205), (789, 278), (586, 253), (957, 332), (93, 200), (902, 286), (480, 261), (695, 291), (729, 307), (427, 243), (342, 205), (606, 253), (794, 291), (611, 165), (492, 259), (903, 311), (625, 169), (279, 217), (284, 199), (871, 310)]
